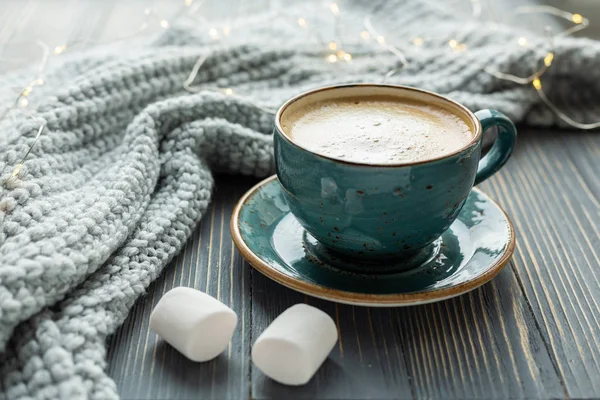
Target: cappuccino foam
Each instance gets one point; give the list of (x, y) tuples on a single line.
[(376, 129)]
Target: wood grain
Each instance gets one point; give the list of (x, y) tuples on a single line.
[(531, 333), (553, 203)]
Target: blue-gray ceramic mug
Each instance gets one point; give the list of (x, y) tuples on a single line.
[(370, 211)]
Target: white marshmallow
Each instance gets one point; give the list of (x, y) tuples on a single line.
[(295, 345), (196, 324)]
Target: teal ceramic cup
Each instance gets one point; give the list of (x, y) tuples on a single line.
[(373, 212)]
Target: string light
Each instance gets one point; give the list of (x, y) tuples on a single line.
[(22, 101), (392, 49), (537, 84), (579, 21), (19, 166), (334, 46), (188, 85), (534, 79), (528, 79), (335, 10)]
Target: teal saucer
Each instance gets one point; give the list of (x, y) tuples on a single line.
[(471, 252)]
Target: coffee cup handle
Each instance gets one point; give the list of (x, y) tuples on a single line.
[(502, 147)]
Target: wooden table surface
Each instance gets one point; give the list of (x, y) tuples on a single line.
[(532, 333)]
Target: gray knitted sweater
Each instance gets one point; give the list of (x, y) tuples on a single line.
[(123, 171)]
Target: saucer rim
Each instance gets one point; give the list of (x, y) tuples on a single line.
[(366, 299)]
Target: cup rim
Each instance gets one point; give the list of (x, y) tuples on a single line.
[(454, 104)]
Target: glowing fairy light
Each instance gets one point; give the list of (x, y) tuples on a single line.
[(188, 85), (579, 20), (338, 55), (335, 9), (392, 49), (214, 34), (26, 91), (16, 170), (456, 46), (59, 49)]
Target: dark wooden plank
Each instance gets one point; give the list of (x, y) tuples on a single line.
[(557, 215), (584, 154), (143, 365), (480, 345)]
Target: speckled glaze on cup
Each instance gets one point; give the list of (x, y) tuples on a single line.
[(370, 211)]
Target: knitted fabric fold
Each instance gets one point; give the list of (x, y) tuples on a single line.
[(122, 172)]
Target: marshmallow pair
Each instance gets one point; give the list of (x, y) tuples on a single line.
[(289, 351)]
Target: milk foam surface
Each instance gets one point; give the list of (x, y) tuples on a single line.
[(377, 129)]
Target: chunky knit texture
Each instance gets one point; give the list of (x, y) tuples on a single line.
[(122, 173)]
